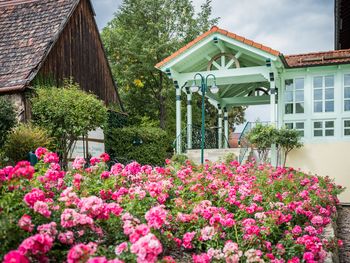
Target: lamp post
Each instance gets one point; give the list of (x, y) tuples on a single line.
[(203, 88)]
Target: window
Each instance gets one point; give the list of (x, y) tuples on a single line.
[(347, 127), (299, 126), (347, 92), (323, 128), (323, 88), (294, 96)]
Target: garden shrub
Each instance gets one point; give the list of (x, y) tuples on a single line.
[(287, 140), (146, 145), (68, 113), (135, 213), (23, 139), (261, 137), (117, 119), (7, 118)]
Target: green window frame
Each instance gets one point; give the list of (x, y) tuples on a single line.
[(323, 128), (294, 96), (347, 127), (297, 125), (346, 92), (323, 93)]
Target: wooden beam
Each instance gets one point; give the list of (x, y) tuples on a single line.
[(246, 101), (231, 76)]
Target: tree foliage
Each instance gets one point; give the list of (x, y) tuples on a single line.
[(287, 140), (261, 137), (7, 118), (67, 113), (142, 33)]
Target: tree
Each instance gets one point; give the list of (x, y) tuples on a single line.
[(142, 33), (287, 140), (261, 137), (67, 113), (7, 118)]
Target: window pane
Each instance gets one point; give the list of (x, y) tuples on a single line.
[(289, 125), (347, 123), (289, 108), (329, 94), (288, 96), (329, 106), (318, 82), (318, 106), (299, 83), (299, 95), (329, 81), (289, 84), (301, 133), (329, 132), (318, 133), (347, 80), (318, 94), (347, 92), (299, 107), (329, 124), (346, 132), (318, 124), (299, 125), (347, 105)]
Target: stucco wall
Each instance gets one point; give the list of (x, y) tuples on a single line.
[(328, 158)]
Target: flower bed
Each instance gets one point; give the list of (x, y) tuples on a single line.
[(216, 213)]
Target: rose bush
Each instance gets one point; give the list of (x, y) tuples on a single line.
[(216, 212)]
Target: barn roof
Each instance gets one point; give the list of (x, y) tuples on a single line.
[(28, 30)]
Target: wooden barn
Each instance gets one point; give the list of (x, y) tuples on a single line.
[(53, 39)]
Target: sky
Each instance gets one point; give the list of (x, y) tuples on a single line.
[(290, 26)]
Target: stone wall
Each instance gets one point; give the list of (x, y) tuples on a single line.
[(343, 233), (19, 104)]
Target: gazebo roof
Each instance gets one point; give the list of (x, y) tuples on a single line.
[(218, 30)]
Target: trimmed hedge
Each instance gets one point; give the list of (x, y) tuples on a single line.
[(146, 145)]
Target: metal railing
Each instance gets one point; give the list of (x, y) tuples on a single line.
[(211, 139)]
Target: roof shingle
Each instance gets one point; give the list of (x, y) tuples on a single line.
[(28, 29), (318, 58)]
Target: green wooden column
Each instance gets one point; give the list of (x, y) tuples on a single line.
[(225, 128), (189, 118), (219, 126), (273, 118), (178, 118)]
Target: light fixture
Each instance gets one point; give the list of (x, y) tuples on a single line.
[(214, 89), (194, 88)]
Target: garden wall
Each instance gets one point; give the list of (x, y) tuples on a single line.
[(325, 159)]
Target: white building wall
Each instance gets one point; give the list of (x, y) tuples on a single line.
[(326, 156)]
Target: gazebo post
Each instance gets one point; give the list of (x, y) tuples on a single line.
[(219, 126), (189, 118), (226, 128), (178, 118), (273, 116)]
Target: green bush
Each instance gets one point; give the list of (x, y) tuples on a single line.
[(7, 118), (23, 139), (261, 137), (146, 145), (287, 140), (67, 113)]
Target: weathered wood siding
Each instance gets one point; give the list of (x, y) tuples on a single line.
[(78, 53), (342, 24)]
